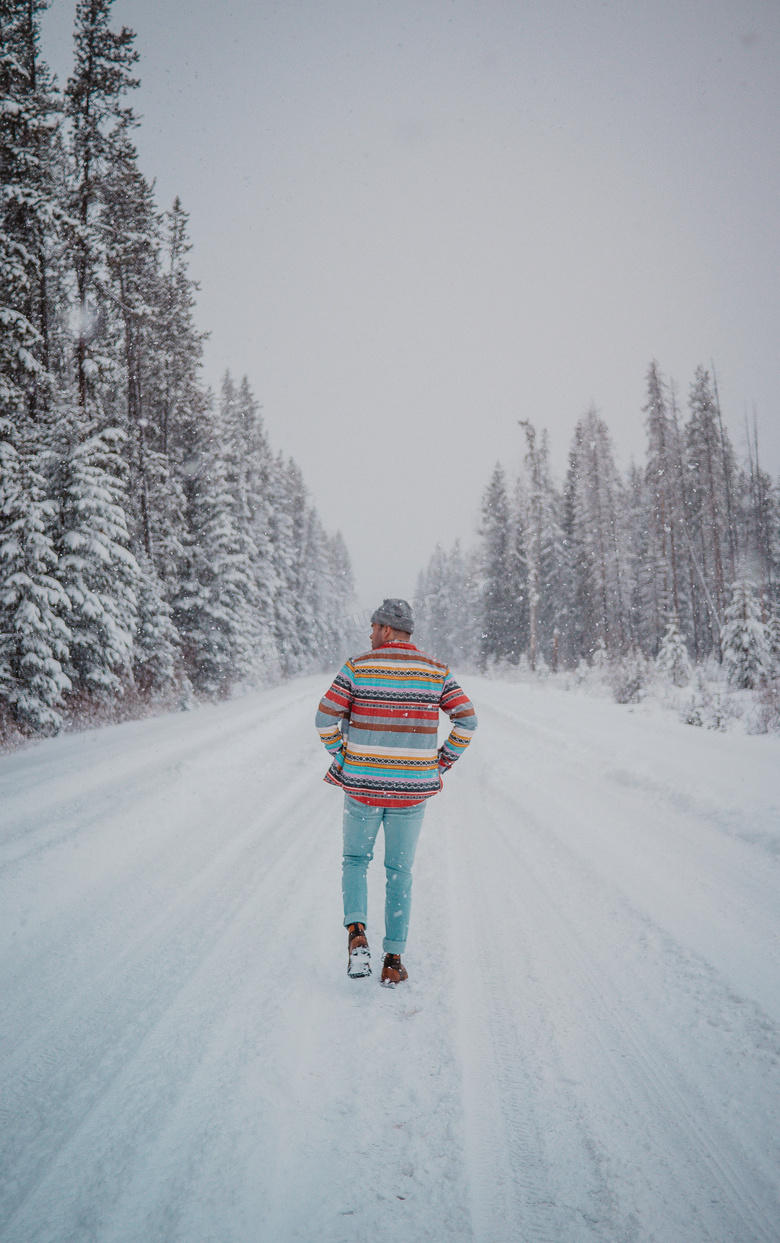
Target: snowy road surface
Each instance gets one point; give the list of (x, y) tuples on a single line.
[(588, 1047)]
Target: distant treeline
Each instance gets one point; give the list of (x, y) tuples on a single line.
[(149, 538), (687, 544)]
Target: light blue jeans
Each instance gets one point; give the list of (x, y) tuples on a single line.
[(402, 828)]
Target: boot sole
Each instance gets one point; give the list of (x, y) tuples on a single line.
[(359, 966)]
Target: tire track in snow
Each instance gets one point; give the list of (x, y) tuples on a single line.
[(511, 1192), (515, 859), (146, 1107), (647, 1074), (60, 1076), (123, 860), (684, 858), (91, 791)]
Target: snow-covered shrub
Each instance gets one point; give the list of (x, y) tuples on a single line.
[(724, 710), (187, 699), (581, 673), (521, 671), (692, 713), (746, 655), (773, 640), (600, 658), (673, 660), (712, 710), (628, 677), (542, 668), (765, 719)]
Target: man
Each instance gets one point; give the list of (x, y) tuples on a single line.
[(379, 722)]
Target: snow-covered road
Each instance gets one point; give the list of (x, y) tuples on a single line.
[(588, 1047)]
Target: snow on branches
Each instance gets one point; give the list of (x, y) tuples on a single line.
[(150, 540)]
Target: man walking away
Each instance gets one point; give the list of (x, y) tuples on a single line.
[(379, 721)]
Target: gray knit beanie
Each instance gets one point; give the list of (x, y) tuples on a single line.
[(395, 613)]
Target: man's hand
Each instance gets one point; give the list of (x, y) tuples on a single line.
[(445, 764)]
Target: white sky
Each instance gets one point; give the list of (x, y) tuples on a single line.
[(416, 221)]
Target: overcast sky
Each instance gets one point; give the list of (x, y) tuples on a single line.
[(417, 221)]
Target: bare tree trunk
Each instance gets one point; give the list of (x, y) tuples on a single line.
[(726, 480), (534, 543)]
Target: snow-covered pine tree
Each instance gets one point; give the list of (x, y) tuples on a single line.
[(596, 531), (581, 641), (673, 660), (130, 227), (467, 620), (544, 552), (174, 404), (247, 464), (448, 617), (212, 608), (709, 464), (661, 591), (435, 595), (96, 568), (321, 600), (555, 566), (283, 554), (98, 122), (33, 635), (694, 604), (646, 603), (759, 508), (156, 640), (341, 571), (312, 574), (296, 503), (773, 640), (728, 466), (746, 652), (175, 397), (336, 597), (180, 400), (132, 232), (532, 541), (502, 594), (30, 217)]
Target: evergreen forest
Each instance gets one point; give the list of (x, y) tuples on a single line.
[(677, 562), (152, 545)]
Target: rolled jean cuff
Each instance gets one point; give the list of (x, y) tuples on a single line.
[(393, 947), (355, 919)]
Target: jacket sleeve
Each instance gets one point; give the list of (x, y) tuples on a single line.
[(460, 710), (335, 705)]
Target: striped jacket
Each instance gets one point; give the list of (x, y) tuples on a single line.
[(379, 721)]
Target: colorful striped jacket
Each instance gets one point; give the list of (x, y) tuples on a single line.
[(379, 721)]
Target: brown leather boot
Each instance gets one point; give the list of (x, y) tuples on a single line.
[(393, 972), (359, 964)]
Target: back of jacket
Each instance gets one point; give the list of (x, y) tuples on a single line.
[(391, 698)]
